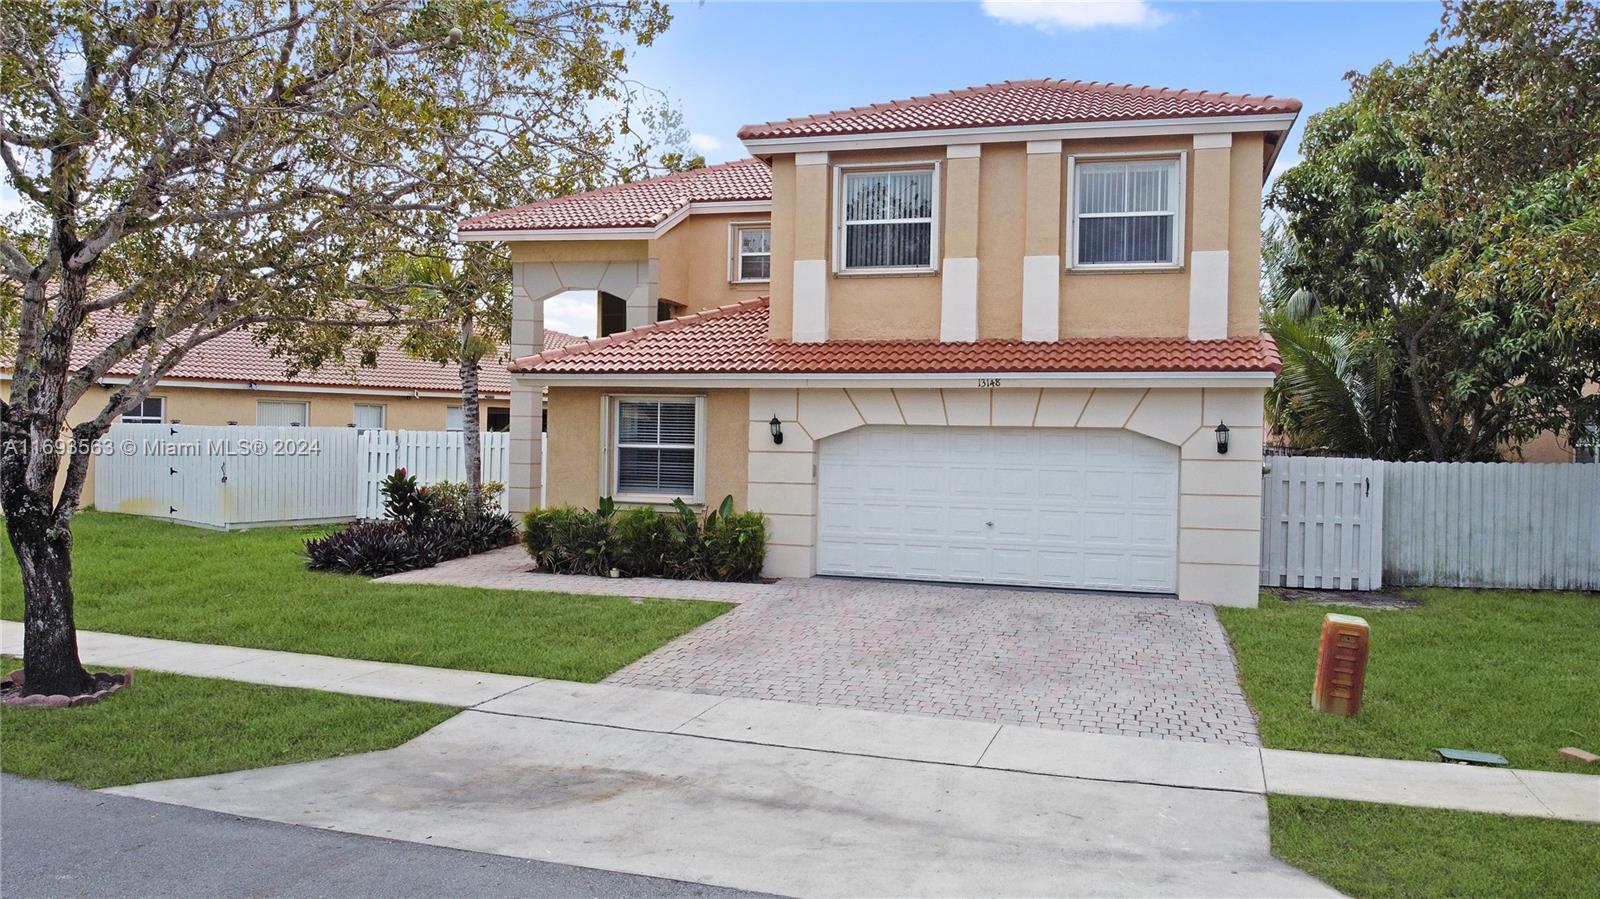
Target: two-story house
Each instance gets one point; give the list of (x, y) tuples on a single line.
[(1007, 334)]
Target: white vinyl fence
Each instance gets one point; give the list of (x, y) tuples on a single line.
[(1459, 524), (1322, 523), (233, 476), (1332, 523), (430, 457)]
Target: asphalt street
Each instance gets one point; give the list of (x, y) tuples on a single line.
[(58, 841)]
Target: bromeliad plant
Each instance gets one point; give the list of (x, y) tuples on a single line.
[(722, 545)]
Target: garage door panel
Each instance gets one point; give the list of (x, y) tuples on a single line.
[(1057, 507)]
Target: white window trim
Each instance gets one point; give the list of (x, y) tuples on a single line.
[(1179, 215), (305, 410), (145, 419), (736, 258), (383, 414), (935, 222), (609, 405)]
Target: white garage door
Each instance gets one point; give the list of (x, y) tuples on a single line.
[(1087, 509)]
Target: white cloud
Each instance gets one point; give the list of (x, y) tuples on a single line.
[(705, 143), (1076, 15), (572, 312)]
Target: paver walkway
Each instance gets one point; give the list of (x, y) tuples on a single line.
[(878, 735), (1129, 665)]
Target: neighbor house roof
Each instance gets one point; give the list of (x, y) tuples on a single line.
[(638, 204), (238, 357), (1040, 101), (733, 340)]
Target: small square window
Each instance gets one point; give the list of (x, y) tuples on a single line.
[(280, 414), (1126, 213), (152, 410), (452, 418), (369, 417), (752, 254)]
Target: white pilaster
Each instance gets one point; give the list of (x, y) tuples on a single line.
[(1041, 298), (1208, 295), (958, 311), (810, 300)]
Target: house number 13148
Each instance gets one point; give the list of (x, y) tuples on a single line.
[(988, 382)]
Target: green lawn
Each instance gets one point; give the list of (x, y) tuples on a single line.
[(1504, 671), (167, 725), (1383, 851), (250, 588)]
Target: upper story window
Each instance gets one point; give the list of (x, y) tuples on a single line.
[(752, 253), (1127, 214), (886, 220), (152, 410)]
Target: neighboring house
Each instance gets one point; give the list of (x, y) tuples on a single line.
[(988, 336), (235, 380)]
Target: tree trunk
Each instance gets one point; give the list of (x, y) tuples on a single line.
[(50, 648), (471, 443)]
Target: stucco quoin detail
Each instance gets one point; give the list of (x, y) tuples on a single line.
[(1218, 543)]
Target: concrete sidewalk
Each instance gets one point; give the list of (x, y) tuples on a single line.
[(878, 735)]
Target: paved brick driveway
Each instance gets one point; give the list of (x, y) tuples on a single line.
[(1129, 665)]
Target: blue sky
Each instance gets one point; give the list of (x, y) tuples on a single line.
[(728, 64)]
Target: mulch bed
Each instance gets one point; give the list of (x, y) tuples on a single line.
[(105, 683), (1366, 599)]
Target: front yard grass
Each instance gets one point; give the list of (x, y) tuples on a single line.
[(1393, 852), (168, 725), (150, 578), (1505, 671)]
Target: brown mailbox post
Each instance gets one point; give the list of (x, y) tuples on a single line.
[(1341, 665)]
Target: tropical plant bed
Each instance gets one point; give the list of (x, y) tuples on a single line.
[(251, 588), (169, 725), (1504, 671), (422, 526), (681, 544)]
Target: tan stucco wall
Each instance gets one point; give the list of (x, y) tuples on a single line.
[(578, 250), (218, 406), (696, 257), (573, 444), (1093, 304)]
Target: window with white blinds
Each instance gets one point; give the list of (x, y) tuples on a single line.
[(886, 220), (752, 254), (1126, 213), (280, 414), (452, 418), (369, 417), (657, 448)]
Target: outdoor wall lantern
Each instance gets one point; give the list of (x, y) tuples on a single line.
[(1222, 438), (776, 427)]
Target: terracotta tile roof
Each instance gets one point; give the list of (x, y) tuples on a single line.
[(639, 204), (1040, 101), (733, 340), (238, 357)]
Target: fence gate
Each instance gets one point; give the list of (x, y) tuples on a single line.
[(1322, 523)]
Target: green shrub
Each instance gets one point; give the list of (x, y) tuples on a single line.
[(450, 498), (644, 542), (423, 527), (722, 545)]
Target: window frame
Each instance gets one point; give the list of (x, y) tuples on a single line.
[(305, 410), (142, 419), (841, 173), (610, 458), (383, 415), (736, 254), (1180, 158)]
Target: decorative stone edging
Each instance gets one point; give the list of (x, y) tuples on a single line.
[(105, 683)]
